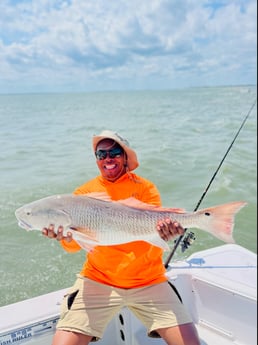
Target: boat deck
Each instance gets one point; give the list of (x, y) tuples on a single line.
[(218, 287)]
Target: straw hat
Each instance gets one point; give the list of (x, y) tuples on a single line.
[(132, 161)]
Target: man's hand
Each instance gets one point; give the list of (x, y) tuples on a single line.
[(167, 229), (50, 233)]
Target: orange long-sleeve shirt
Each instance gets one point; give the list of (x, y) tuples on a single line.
[(126, 265)]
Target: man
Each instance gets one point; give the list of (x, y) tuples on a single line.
[(130, 274)]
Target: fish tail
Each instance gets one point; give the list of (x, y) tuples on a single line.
[(219, 220)]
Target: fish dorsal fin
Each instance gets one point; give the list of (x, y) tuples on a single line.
[(135, 203), (99, 195), (132, 202)]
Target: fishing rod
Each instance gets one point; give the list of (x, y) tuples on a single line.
[(189, 239)]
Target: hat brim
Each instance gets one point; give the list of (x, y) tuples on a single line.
[(132, 161)]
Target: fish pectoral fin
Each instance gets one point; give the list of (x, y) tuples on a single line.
[(84, 233), (85, 241)]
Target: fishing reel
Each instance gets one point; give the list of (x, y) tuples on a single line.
[(187, 241)]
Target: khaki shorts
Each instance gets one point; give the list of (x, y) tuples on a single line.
[(89, 306)]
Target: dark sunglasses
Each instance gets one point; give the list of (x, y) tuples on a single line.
[(114, 153)]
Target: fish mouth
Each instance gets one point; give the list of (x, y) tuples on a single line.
[(24, 225)]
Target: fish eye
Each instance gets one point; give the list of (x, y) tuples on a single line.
[(28, 213)]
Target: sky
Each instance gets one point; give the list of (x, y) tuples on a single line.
[(106, 45)]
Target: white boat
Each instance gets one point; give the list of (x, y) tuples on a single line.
[(218, 287)]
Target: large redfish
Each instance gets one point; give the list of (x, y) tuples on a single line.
[(94, 219)]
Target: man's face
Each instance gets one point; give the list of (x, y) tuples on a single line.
[(110, 159)]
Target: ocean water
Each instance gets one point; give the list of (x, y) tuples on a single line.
[(180, 137)]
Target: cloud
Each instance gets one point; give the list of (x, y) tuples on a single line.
[(54, 45)]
